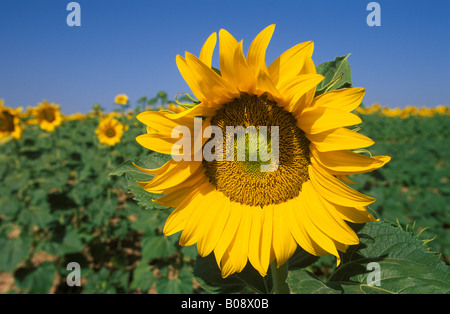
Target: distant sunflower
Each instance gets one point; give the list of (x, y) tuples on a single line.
[(10, 122), (109, 131), (233, 209), (48, 116), (121, 99)]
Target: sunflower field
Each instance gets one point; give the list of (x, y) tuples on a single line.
[(70, 195)]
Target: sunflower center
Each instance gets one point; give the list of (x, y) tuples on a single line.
[(49, 115), (110, 132), (6, 122), (242, 179)]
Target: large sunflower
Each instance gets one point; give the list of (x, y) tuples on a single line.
[(10, 122), (48, 116), (232, 208)]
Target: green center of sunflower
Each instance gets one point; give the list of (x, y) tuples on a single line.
[(49, 115), (6, 122), (110, 132), (242, 179)]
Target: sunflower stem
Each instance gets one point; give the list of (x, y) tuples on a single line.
[(279, 275), (17, 151)]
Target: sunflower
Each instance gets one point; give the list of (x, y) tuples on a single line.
[(47, 115), (232, 208), (109, 131), (10, 122), (121, 99)]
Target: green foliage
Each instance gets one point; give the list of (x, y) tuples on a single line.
[(414, 186), (337, 75), (58, 204), (66, 198), (208, 274), (405, 266)]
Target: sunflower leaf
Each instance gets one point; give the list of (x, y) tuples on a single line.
[(209, 276), (134, 175), (387, 260), (36, 280), (337, 75)]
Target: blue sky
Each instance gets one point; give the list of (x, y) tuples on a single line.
[(130, 46)]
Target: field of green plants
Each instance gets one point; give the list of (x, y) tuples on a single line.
[(64, 198)]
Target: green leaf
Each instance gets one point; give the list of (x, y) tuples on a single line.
[(36, 280), (209, 276), (64, 242), (337, 75), (35, 215), (144, 198), (157, 247), (301, 259), (304, 282), (134, 175), (181, 283), (154, 160), (143, 277), (9, 206), (13, 251), (106, 282), (146, 222), (404, 265)]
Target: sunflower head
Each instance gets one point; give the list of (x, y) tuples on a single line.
[(10, 122), (47, 115), (121, 99), (231, 207), (109, 131)]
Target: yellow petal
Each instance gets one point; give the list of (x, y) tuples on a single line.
[(164, 168), (228, 45), (228, 232), (256, 56), (346, 99), (338, 139), (254, 251), (335, 191), (346, 162), (289, 64), (238, 248), (174, 177), (175, 197), (352, 214), (297, 227), (178, 218), (213, 223), (284, 244), (267, 253), (212, 85), (345, 179), (297, 88), (194, 229), (160, 144), (189, 78), (325, 119), (321, 242), (200, 110), (246, 80), (207, 51), (323, 215), (161, 123), (264, 84)]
